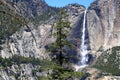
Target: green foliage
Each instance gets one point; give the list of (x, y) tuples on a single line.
[(71, 74), (1, 48), (62, 30), (23, 60), (61, 73), (109, 61), (34, 72), (58, 72), (10, 22), (45, 78), (47, 14)]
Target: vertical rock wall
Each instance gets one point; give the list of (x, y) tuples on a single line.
[(103, 23)]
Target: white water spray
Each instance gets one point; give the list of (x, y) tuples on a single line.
[(83, 51)]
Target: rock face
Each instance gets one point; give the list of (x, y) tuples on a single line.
[(110, 78), (30, 8), (28, 43), (22, 70), (102, 27), (102, 31), (25, 41), (103, 20), (103, 24), (30, 40)]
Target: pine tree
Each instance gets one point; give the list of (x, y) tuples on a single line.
[(62, 30)]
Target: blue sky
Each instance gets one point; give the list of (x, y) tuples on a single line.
[(61, 3)]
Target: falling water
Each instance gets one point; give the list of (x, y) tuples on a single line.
[(83, 51), (83, 46)]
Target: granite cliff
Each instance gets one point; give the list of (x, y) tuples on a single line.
[(103, 24), (26, 26), (29, 24)]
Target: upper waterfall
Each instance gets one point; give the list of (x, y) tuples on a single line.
[(83, 49)]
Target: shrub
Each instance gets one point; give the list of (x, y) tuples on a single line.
[(109, 61)]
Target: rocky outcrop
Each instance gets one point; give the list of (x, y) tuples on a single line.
[(30, 8), (16, 72), (103, 24), (30, 40), (28, 43), (22, 72), (109, 78)]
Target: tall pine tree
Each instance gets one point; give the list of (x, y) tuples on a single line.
[(62, 31)]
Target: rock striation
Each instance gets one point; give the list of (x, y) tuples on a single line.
[(103, 22), (31, 39)]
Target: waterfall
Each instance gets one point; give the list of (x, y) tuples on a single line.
[(83, 49)]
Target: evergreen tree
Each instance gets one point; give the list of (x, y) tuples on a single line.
[(62, 30)]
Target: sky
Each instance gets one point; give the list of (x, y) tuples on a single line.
[(62, 3)]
